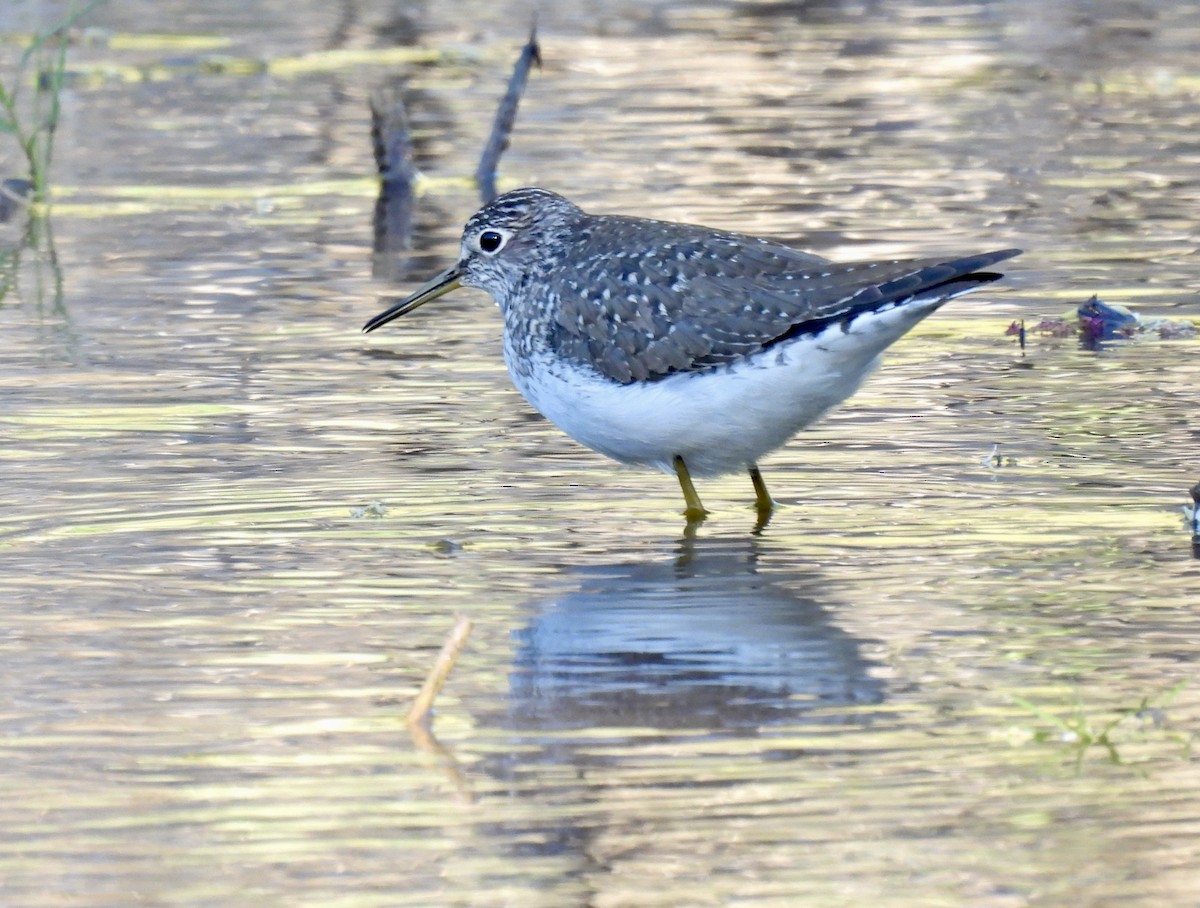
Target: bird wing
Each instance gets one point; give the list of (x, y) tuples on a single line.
[(692, 299)]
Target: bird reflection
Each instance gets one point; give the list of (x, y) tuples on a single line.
[(701, 641)]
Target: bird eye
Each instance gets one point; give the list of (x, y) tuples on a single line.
[(491, 240)]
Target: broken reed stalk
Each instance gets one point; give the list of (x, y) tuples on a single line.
[(506, 115), (455, 641), (391, 139)]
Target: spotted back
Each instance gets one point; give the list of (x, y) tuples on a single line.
[(638, 299), (643, 300)]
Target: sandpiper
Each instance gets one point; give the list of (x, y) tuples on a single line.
[(679, 347)]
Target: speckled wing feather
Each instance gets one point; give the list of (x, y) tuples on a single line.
[(689, 299)]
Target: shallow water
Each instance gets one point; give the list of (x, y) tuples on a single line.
[(936, 678)]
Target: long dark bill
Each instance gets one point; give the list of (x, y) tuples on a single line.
[(442, 284)]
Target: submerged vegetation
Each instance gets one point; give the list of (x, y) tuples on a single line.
[(32, 123), (30, 106), (1082, 734)]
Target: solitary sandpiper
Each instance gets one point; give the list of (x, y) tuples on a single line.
[(680, 347)]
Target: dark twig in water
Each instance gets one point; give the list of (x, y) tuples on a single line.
[(390, 136), (392, 142), (455, 641), (485, 173)]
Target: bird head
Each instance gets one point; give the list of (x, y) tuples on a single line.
[(503, 243)]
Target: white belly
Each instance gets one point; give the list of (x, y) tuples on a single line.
[(720, 420)]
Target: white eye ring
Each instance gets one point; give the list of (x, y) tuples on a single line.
[(491, 240)]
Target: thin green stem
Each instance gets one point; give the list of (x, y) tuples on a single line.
[(47, 52)]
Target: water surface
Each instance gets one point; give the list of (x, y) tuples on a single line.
[(886, 697)]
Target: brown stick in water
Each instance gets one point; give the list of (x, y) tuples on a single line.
[(455, 641)]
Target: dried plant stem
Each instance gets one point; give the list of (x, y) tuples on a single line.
[(455, 641)]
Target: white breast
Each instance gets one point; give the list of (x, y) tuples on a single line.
[(718, 420)]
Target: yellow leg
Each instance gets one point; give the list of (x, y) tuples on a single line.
[(695, 510), (762, 498)]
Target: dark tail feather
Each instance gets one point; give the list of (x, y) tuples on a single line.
[(959, 285), (931, 279)]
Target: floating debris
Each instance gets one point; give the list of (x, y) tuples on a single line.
[(447, 547), (1191, 514), (1095, 321), (1098, 321), (1053, 327), (1173, 328), (374, 509), (995, 459)]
